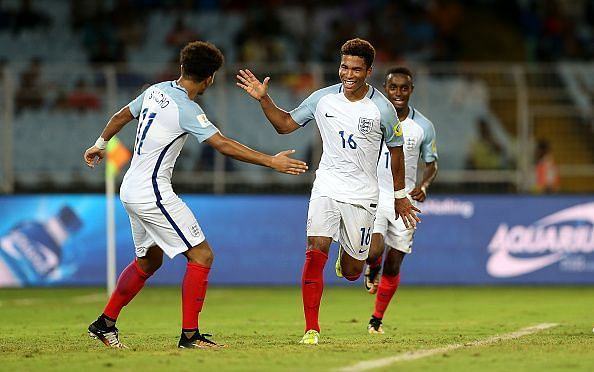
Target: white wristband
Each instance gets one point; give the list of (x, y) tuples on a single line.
[(399, 194), (101, 143)]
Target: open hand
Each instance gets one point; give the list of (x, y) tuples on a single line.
[(93, 156), (250, 83), (406, 211), (281, 162)]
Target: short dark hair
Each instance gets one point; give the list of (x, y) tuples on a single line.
[(200, 59), (360, 48), (399, 70)]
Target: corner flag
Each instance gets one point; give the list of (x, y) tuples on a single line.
[(117, 156)]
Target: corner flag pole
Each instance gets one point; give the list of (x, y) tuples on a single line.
[(110, 221), (111, 87), (117, 156)]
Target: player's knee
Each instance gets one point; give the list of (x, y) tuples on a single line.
[(318, 243), (200, 254), (352, 277), (149, 266), (152, 267), (208, 258), (373, 257), (351, 272), (391, 270)]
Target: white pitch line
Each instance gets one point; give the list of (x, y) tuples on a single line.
[(94, 297), (418, 354)]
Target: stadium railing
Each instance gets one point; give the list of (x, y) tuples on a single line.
[(42, 146)]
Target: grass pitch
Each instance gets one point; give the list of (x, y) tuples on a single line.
[(45, 329)]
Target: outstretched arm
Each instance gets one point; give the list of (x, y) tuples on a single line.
[(280, 162), (419, 193), (279, 118), (402, 205), (96, 153)]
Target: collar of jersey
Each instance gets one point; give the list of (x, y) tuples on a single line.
[(411, 112), (176, 85), (369, 94)]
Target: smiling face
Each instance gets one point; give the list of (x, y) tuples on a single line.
[(398, 88), (352, 73)]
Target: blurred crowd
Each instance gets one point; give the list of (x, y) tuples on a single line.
[(309, 30), (289, 32), (293, 32)]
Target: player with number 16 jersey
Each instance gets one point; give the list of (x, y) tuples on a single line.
[(352, 135), (354, 120)]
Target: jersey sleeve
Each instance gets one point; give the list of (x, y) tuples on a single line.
[(304, 113), (136, 104), (391, 126), (429, 146), (192, 119)]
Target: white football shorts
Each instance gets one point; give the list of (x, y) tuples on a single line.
[(395, 234), (349, 224), (170, 225)]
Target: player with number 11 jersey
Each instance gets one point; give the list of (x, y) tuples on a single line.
[(165, 110), (161, 222)]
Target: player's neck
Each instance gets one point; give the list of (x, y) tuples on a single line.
[(190, 86), (403, 113), (357, 94)]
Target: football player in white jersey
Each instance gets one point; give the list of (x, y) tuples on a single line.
[(161, 222), (354, 119), (388, 231)]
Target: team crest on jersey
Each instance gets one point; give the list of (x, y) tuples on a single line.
[(141, 251), (195, 230), (410, 143), (365, 125)]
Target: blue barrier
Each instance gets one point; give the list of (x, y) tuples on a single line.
[(60, 240)]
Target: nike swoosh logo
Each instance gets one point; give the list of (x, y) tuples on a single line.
[(330, 116), (503, 265), (363, 250)]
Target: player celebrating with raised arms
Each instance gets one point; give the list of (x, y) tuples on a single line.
[(161, 222), (354, 119), (388, 231)]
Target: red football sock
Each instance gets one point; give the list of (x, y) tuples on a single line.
[(129, 283), (387, 287), (193, 293), (377, 262), (312, 286)]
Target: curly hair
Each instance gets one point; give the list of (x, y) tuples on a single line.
[(200, 59), (360, 48), (400, 70)]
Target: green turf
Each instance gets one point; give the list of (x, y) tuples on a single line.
[(45, 329)]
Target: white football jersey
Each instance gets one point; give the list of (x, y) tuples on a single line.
[(352, 135), (165, 116), (419, 142)]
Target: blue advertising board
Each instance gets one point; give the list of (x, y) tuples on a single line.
[(60, 240)]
